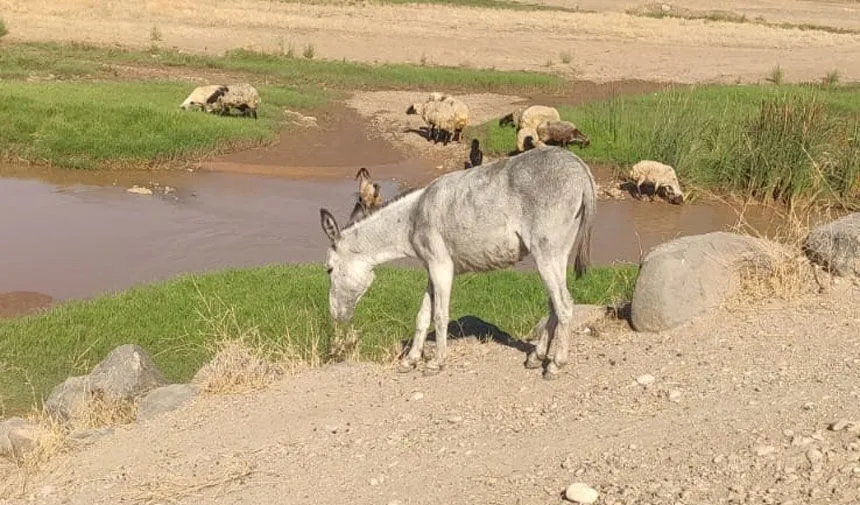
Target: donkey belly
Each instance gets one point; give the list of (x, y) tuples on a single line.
[(478, 253)]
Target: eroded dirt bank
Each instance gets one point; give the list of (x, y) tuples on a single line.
[(738, 412)]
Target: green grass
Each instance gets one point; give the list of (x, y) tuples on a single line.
[(70, 61), (173, 320), (88, 125), (772, 142)]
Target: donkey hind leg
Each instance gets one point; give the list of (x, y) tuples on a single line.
[(441, 275), (553, 272), (543, 329), (422, 323)]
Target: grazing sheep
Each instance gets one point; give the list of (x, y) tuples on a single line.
[(461, 111), (530, 117), (240, 96), (439, 116), (203, 96), (476, 157), (561, 133), (658, 174), (527, 138)]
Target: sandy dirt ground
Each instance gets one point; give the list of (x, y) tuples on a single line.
[(602, 46), (737, 409)]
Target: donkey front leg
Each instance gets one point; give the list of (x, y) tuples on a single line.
[(441, 276), (422, 323)]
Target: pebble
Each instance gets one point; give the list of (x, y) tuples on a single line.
[(416, 396), (838, 425), (674, 396), (645, 380), (455, 419), (139, 190), (765, 450), (580, 493)]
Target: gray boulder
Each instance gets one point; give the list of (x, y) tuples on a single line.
[(688, 276), (69, 399), (836, 245), (165, 399), (127, 372)]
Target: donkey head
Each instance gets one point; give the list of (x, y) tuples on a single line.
[(349, 273)]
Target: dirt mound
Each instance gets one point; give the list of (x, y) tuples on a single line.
[(386, 111), (738, 407)]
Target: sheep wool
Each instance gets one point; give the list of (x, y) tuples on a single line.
[(242, 96), (202, 96), (658, 174)]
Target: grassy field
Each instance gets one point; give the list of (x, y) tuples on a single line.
[(780, 142), (89, 120), (290, 67), (87, 125), (176, 320)]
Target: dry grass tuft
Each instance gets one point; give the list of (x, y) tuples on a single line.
[(103, 411), (244, 360), (786, 272), (344, 344)]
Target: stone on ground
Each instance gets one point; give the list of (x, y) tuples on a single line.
[(580, 493), (688, 276), (19, 436), (165, 399), (69, 399), (127, 372), (836, 245)]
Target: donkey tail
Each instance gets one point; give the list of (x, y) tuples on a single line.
[(582, 244)]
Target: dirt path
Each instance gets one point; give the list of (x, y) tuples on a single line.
[(738, 412), (601, 46)]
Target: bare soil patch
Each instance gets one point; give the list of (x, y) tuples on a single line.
[(737, 409), (601, 46), (19, 303)]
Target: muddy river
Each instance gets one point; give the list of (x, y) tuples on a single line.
[(74, 235)]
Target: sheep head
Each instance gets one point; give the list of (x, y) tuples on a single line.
[(415, 108)]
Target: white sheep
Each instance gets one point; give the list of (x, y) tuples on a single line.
[(439, 116), (658, 174), (527, 138), (240, 96), (461, 111), (203, 96), (530, 117)]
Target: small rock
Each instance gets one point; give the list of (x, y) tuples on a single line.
[(126, 372), (374, 482), (838, 425), (165, 399), (47, 491), (139, 190), (645, 380), (814, 456), (416, 396), (580, 493), (665, 7), (674, 396), (69, 399), (765, 450), (455, 419)]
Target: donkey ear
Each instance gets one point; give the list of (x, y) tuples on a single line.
[(329, 225)]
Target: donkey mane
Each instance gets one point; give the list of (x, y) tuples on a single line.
[(384, 205)]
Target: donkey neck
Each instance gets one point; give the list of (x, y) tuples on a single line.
[(384, 235)]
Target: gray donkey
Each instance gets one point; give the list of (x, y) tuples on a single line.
[(541, 202)]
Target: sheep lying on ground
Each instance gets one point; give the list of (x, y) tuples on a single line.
[(561, 133), (530, 117), (369, 197), (203, 96), (240, 96), (461, 111), (658, 174), (440, 118)]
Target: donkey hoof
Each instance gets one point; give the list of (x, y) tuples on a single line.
[(551, 372), (533, 361), (405, 367), (432, 368)]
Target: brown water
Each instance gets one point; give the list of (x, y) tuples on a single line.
[(73, 235)]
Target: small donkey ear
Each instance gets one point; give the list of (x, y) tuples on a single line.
[(329, 225)]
